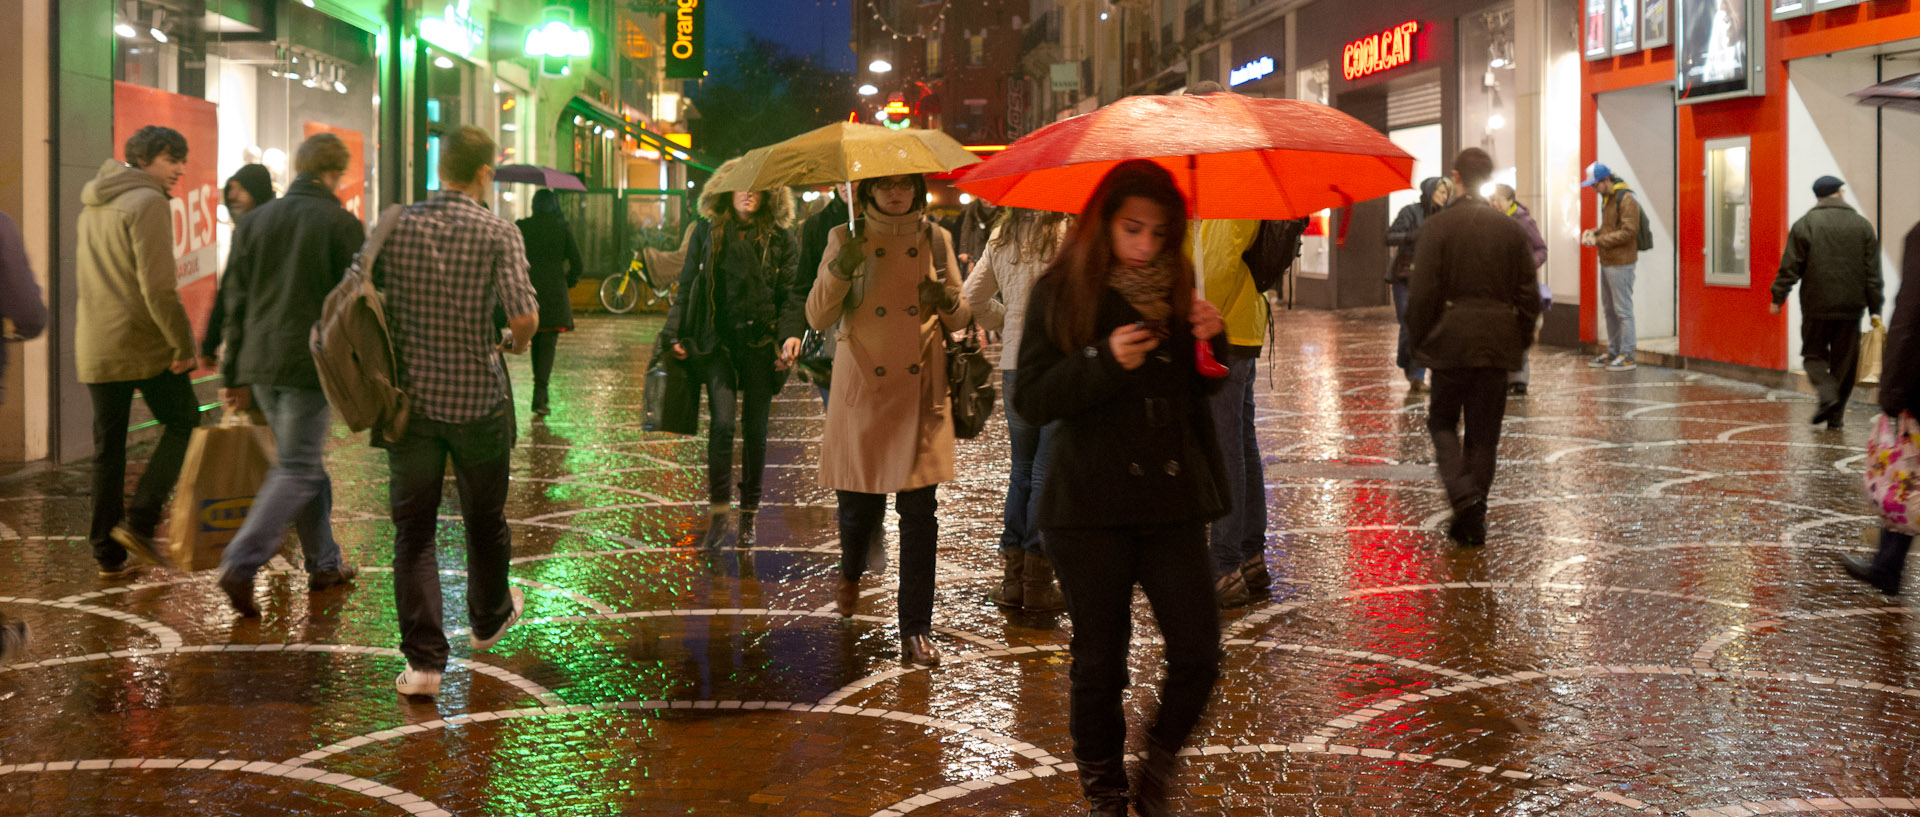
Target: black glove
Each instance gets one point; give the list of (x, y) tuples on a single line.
[(846, 265), (938, 295)]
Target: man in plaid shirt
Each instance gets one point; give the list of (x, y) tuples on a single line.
[(448, 263)]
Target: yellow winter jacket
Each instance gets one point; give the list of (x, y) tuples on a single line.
[(1229, 283)]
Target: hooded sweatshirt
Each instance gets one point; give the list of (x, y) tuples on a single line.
[(130, 324), (1404, 233)]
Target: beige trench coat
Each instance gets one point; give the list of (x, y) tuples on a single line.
[(888, 423)]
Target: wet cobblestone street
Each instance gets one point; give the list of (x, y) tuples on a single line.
[(1657, 624)]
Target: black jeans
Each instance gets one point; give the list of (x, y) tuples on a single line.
[(480, 451), (1831, 349), (860, 518), (733, 377), (1466, 468), (544, 344), (170, 398), (1098, 568)]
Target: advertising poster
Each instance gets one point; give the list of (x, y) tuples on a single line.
[(353, 186), (1713, 55), (1656, 19), (196, 199), (1597, 30), (1626, 26), (1785, 9)]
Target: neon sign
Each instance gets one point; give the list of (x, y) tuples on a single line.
[(1251, 71), (1384, 51), (456, 29)]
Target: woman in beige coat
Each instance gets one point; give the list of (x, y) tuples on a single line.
[(893, 285)]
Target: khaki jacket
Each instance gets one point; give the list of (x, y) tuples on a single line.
[(130, 324), (889, 427), (1618, 236)]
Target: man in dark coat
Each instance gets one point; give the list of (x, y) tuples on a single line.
[(1899, 389), (287, 256), (554, 266), (1833, 253), (1471, 312)]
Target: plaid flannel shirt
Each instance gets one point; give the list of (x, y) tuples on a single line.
[(447, 264)]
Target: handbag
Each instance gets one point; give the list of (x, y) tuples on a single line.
[(1893, 472), (222, 472), (1873, 346), (969, 383), (815, 360), (671, 396)]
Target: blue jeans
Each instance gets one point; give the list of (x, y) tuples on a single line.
[(1616, 300), (1242, 533), (297, 490), (1031, 445), (1403, 354)]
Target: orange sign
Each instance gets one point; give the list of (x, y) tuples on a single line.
[(1385, 51), (196, 198), (353, 186)]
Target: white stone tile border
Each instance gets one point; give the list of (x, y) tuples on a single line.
[(1064, 768), (168, 637), (412, 804), (1265, 614), (579, 598), (764, 612), (533, 690), (1704, 656), (1376, 709), (1438, 517), (1013, 746), (1796, 805)]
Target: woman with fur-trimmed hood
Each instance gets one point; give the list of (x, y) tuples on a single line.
[(727, 325)]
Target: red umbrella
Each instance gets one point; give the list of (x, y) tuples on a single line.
[(1233, 156)]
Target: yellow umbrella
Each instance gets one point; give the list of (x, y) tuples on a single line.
[(842, 152)]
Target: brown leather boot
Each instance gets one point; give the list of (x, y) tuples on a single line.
[(847, 597), (1038, 590), (1008, 592)]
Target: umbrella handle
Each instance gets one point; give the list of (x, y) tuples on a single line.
[(1204, 363)]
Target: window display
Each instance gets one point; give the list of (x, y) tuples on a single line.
[(1626, 26), (1596, 29), (1716, 57), (1728, 193), (1655, 19)]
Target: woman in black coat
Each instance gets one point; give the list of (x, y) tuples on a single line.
[(1135, 474), (553, 264)]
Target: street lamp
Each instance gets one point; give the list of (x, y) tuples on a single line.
[(879, 66), (868, 90)]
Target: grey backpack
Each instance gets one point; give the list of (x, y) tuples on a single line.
[(353, 350)]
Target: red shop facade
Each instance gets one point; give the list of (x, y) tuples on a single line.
[(1721, 114)]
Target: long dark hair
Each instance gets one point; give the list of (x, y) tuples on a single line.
[(1084, 263), (547, 203)]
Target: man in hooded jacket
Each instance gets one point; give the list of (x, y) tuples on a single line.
[(131, 334)]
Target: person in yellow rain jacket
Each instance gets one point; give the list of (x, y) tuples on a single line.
[(1239, 539)]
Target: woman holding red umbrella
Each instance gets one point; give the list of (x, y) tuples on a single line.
[(1136, 475)]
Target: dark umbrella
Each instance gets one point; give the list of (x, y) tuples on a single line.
[(1902, 93), (536, 175)]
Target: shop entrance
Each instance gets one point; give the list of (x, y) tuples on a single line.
[(1636, 139), (1870, 149)]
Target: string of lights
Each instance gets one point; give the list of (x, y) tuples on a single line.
[(920, 33)]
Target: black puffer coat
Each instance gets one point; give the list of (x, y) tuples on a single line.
[(1404, 233), (553, 265)]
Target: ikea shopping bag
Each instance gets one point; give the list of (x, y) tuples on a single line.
[(223, 470)]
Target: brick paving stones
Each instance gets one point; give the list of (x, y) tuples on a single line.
[(1655, 626)]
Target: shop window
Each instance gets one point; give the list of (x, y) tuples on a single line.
[(1315, 249), (977, 48), (1729, 188), (1488, 87), (933, 56)]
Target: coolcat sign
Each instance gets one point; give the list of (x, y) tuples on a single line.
[(687, 40), (1384, 51)]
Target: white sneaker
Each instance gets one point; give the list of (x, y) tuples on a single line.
[(519, 604), (419, 682)]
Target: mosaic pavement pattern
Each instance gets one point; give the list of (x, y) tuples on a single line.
[(1656, 625)]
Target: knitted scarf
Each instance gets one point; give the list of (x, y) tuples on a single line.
[(1146, 288)]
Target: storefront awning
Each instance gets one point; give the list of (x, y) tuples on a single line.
[(606, 117)]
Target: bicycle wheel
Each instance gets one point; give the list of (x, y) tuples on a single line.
[(620, 293)]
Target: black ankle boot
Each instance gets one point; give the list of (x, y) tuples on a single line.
[(716, 531), (1156, 779), (1104, 782), (746, 528)]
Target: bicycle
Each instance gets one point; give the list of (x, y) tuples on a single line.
[(621, 293)]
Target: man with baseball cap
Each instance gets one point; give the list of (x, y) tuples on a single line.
[(1834, 254), (1618, 241)]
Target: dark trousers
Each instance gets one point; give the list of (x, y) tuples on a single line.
[(734, 378), (1242, 533), (1403, 348), (480, 451), (861, 516), (544, 346), (170, 397), (1831, 349), (1098, 568), (1032, 445), (1479, 396)]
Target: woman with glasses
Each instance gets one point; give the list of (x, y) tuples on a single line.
[(892, 283)]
